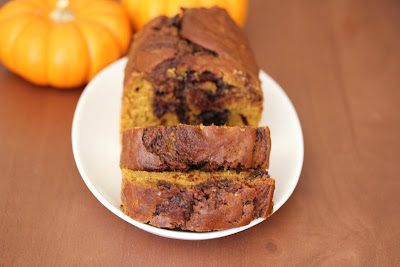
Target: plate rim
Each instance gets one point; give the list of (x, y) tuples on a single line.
[(167, 232)]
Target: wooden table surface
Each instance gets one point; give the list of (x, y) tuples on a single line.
[(339, 62)]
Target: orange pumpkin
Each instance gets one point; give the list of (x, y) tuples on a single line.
[(62, 43), (141, 11)]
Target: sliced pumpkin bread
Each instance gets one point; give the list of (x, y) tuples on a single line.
[(196, 200), (206, 148)]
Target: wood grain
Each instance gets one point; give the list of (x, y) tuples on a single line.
[(339, 62)]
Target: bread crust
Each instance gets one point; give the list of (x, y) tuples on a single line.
[(206, 148), (217, 204)]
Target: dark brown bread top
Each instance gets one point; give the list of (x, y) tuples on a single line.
[(184, 147), (213, 29), (218, 204), (209, 29)]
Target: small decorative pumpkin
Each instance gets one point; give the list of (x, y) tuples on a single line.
[(62, 43), (141, 11)]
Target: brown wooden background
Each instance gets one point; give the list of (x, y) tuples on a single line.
[(339, 62)]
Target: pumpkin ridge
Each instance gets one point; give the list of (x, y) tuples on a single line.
[(104, 26), (47, 44), (67, 58), (111, 39), (13, 56), (87, 76), (3, 48), (16, 15), (12, 9), (24, 74)]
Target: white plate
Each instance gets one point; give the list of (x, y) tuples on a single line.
[(96, 147)]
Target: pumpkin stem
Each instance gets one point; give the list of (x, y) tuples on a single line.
[(61, 13)]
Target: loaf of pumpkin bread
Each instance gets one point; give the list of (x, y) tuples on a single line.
[(206, 148), (195, 68), (196, 200)]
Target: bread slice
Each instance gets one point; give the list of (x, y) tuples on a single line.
[(195, 200), (195, 68), (206, 148)]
